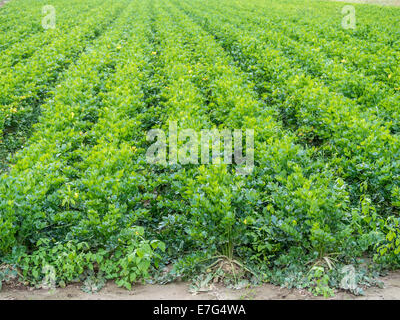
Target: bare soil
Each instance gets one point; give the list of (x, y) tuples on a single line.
[(180, 291)]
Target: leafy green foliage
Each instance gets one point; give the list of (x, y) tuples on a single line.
[(80, 199), (128, 261)]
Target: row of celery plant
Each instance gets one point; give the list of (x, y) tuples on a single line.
[(66, 18), (361, 146), (16, 21), (28, 84), (378, 98), (72, 219), (360, 150), (222, 210), (374, 84), (375, 26)]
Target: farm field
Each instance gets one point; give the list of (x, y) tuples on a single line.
[(313, 202)]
